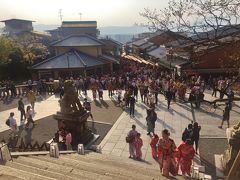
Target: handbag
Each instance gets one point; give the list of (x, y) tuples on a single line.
[(129, 139)]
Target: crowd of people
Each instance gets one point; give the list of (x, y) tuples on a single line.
[(134, 83)]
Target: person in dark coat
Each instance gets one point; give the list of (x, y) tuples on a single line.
[(151, 119), (132, 105), (21, 109), (187, 133), (196, 134), (168, 97)]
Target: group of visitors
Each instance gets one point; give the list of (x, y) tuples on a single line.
[(25, 115), (63, 137), (164, 150)]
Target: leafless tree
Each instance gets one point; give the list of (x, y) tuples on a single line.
[(207, 23), (205, 20)]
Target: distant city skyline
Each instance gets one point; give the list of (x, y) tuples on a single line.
[(105, 12)]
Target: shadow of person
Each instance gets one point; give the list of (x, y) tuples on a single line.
[(28, 136), (104, 103), (97, 103)]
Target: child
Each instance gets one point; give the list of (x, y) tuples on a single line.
[(68, 140), (153, 144), (138, 143)]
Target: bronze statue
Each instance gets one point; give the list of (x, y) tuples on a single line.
[(70, 102)]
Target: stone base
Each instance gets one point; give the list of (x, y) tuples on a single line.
[(76, 123)]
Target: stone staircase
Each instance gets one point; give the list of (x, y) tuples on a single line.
[(91, 166)]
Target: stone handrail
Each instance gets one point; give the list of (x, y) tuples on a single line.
[(21, 90)]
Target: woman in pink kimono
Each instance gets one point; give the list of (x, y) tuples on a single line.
[(138, 143), (186, 154), (131, 139), (166, 150)]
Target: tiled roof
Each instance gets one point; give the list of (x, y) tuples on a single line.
[(70, 59), (140, 42), (158, 52), (146, 45), (110, 40), (23, 20), (78, 40), (79, 22)]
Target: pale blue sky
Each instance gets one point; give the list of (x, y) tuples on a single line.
[(106, 12)]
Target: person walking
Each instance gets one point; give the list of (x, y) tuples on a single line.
[(132, 102), (135, 91), (196, 135), (226, 115), (166, 149), (138, 143), (153, 144), (32, 99), (186, 155), (29, 116), (13, 125), (187, 133), (21, 109), (168, 97), (151, 119), (130, 140)]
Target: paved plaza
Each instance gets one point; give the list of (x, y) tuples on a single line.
[(175, 120)]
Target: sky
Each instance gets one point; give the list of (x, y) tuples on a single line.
[(105, 12)]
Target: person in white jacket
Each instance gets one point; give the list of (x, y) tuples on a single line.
[(13, 125)]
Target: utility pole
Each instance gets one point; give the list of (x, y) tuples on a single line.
[(60, 15), (80, 15)]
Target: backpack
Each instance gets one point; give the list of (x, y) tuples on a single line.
[(8, 122)]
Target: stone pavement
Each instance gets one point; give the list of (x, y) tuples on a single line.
[(43, 108), (175, 120)]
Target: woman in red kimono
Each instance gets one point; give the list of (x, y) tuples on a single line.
[(186, 154), (153, 144), (138, 143), (166, 150)]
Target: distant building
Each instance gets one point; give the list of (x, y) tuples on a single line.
[(112, 47), (75, 28), (17, 26)]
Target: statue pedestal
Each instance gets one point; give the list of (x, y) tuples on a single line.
[(76, 123)]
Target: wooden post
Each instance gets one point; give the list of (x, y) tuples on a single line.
[(235, 167)]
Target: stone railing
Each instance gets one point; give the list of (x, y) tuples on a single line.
[(21, 90)]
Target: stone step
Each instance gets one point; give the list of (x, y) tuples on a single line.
[(36, 170), (8, 177), (98, 168), (121, 164), (51, 167), (6, 170), (123, 160)]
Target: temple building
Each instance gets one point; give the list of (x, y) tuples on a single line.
[(75, 28), (76, 55)]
